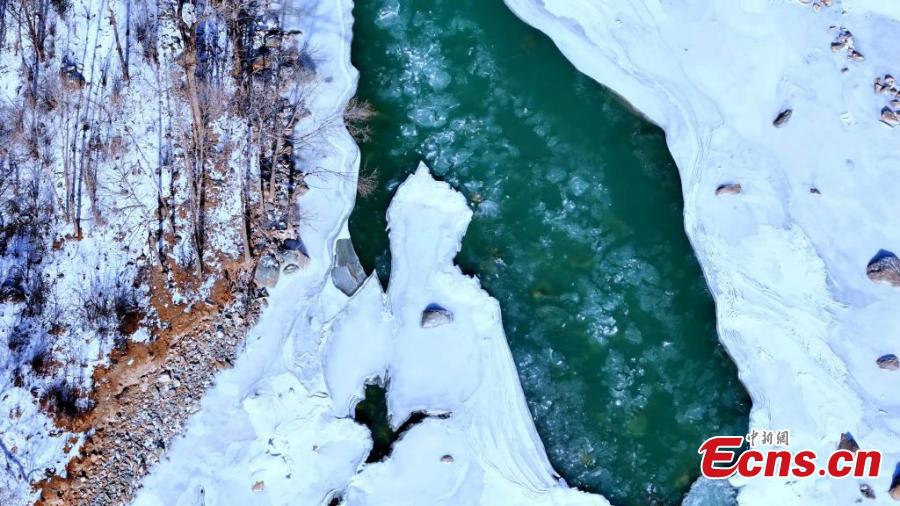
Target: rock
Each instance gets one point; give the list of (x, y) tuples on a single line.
[(435, 315), (888, 362), (838, 46), (729, 189), (889, 80), (889, 117), (293, 261), (814, 191), (782, 117), (346, 273), (884, 268), (259, 486), (447, 459), (294, 245), (878, 87), (866, 491), (848, 443), (267, 271), (855, 55)]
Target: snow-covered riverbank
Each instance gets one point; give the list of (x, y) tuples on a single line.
[(786, 256), (278, 428)]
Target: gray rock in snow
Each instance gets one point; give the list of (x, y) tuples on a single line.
[(435, 315), (848, 443), (729, 189), (884, 268), (294, 260), (888, 362), (782, 118), (866, 491), (267, 271), (347, 273)]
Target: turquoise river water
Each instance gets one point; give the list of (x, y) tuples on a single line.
[(577, 232)]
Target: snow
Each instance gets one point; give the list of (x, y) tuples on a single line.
[(462, 369), (277, 428), (786, 266)]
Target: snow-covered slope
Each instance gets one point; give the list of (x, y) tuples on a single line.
[(786, 257), (278, 427)]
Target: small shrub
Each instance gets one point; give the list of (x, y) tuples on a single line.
[(65, 401)]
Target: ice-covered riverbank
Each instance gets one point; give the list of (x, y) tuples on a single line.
[(786, 252), (277, 429)]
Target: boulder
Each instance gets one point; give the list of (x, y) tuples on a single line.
[(848, 443), (294, 260), (435, 315), (293, 256), (729, 189), (884, 268), (346, 273), (782, 117), (866, 491), (888, 362), (447, 459), (267, 271)]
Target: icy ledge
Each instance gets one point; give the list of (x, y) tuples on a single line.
[(785, 254), (277, 428), (485, 449)]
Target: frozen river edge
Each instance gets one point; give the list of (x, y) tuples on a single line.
[(278, 427), (784, 217)]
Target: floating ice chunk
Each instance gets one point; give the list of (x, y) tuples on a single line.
[(706, 492), (438, 79), (429, 116)]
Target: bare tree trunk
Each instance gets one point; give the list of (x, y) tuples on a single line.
[(115, 29)]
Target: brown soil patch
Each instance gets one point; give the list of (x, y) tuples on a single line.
[(143, 399)]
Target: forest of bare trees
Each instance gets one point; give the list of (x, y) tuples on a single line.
[(147, 162)]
